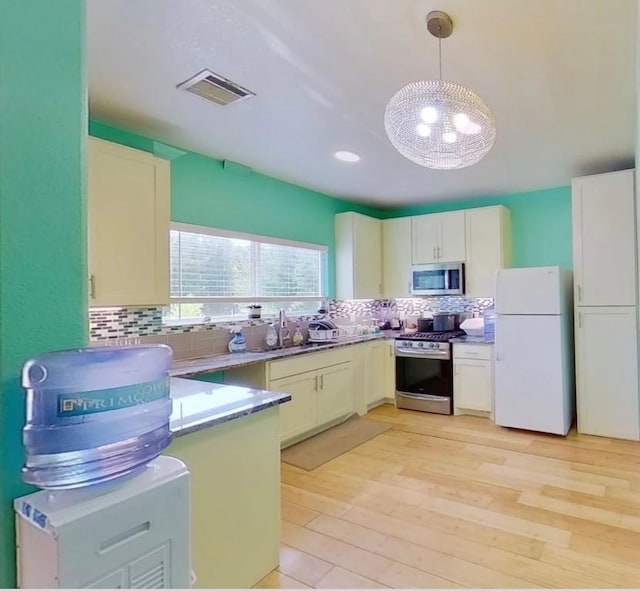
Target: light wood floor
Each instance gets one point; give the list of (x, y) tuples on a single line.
[(454, 502)]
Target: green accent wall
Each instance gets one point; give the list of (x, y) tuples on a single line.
[(204, 192), (540, 220), (43, 120)]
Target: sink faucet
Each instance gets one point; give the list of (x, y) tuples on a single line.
[(283, 331)]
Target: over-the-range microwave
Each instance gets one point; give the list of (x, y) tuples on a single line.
[(437, 279)]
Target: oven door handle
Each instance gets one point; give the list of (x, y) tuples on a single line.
[(424, 397), (401, 353)]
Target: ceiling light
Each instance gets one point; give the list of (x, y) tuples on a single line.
[(429, 114), (423, 130), (449, 137), (444, 108), (346, 156)]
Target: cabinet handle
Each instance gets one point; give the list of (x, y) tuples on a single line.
[(438, 252), (434, 253), (579, 320), (92, 286), (315, 386), (579, 293), (321, 381)]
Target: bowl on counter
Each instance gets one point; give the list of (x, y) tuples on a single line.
[(473, 327)]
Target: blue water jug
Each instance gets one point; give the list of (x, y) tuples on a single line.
[(95, 414)]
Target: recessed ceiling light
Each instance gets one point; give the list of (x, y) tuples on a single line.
[(346, 156)]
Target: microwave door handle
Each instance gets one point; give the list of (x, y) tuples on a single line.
[(446, 279)]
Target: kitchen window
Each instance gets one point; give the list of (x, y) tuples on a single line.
[(217, 273)]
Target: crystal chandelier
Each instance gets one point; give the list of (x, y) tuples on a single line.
[(439, 124)]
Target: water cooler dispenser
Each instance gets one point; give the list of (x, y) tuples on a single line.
[(131, 534), (113, 512)]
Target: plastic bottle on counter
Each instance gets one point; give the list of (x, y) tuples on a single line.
[(297, 337), (489, 316), (271, 338), (238, 343)]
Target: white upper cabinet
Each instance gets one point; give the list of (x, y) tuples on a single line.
[(425, 233), (452, 237), (128, 226), (396, 257), (358, 256), (488, 248), (604, 244), (438, 238)]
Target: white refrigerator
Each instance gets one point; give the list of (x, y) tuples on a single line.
[(534, 366)]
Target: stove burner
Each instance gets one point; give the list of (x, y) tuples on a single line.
[(437, 337)]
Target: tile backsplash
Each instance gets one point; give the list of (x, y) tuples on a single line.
[(407, 306), (125, 323), (116, 326)]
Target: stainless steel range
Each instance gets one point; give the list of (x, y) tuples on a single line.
[(424, 372)]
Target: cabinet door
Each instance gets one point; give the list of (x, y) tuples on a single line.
[(390, 370), (335, 392), (606, 372), (128, 226), (358, 256), (486, 230), (300, 414), (367, 257), (425, 231), (396, 257), (604, 247), (473, 385), (375, 372), (451, 247)]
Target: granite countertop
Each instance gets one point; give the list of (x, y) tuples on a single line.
[(198, 405), (196, 366), (470, 339)]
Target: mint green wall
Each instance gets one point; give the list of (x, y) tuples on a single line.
[(541, 224), (203, 192), (43, 119)]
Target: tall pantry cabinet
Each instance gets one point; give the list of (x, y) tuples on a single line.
[(605, 296)]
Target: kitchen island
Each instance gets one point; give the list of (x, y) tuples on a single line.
[(228, 436)]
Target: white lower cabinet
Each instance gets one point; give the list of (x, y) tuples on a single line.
[(473, 377), (300, 414), (375, 372), (390, 369), (321, 389), (607, 372), (335, 393)]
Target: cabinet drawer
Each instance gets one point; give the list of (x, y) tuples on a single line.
[(475, 351), (308, 362)]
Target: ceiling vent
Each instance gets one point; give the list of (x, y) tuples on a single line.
[(213, 87)]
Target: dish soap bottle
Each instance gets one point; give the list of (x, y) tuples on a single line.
[(297, 337), (238, 344), (272, 335)]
